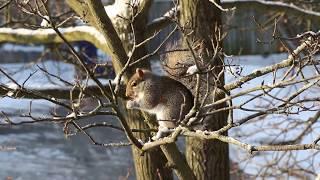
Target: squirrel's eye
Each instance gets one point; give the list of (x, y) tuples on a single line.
[(134, 84)]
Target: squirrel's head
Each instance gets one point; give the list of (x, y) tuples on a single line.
[(134, 84)]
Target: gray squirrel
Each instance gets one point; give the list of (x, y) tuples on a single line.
[(162, 96)]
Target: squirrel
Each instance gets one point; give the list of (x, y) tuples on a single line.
[(177, 61), (162, 96)]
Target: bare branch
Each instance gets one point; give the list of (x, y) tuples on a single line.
[(274, 6)]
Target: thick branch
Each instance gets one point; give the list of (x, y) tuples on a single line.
[(161, 22), (59, 92), (78, 33), (229, 140), (94, 12)]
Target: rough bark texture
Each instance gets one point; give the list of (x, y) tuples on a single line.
[(152, 165), (175, 159), (209, 159)]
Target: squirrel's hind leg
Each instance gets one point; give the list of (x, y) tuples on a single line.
[(162, 132)]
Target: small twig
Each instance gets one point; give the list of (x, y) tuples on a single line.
[(221, 8)]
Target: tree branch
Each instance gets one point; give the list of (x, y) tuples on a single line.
[(59, 92), (78, 33), (227, 139), (273, 6), (161, 22), (94, 12), (265, 70)]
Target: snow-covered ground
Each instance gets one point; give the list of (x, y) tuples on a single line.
[(25, 48), (20, 72), (40, 151)]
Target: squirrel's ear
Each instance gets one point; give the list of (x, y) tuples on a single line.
[(140, 72)]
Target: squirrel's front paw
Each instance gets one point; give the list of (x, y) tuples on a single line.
[(141, 142), (131, 104), (162, 132), (157, 136)]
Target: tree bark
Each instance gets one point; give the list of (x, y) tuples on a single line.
[(209, 159), (152, 164)]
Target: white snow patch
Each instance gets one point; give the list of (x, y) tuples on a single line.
[(192, 70), (40, 32), (45, 22), (72, 115), (118, 8), (140, 141), (10, 93), (12, 85), (116, 79)]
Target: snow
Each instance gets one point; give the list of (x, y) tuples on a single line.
[(12, 85), (119, 13), (38, 80), (116, 79), (118, 8), (71, 115), (20, 72), (308, 33), (47, 32), (89, 29), (45, 22), (25, 48), (25, 1), (192, 70)]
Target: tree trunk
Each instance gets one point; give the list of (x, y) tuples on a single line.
[(152, 165), (209, 159)]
